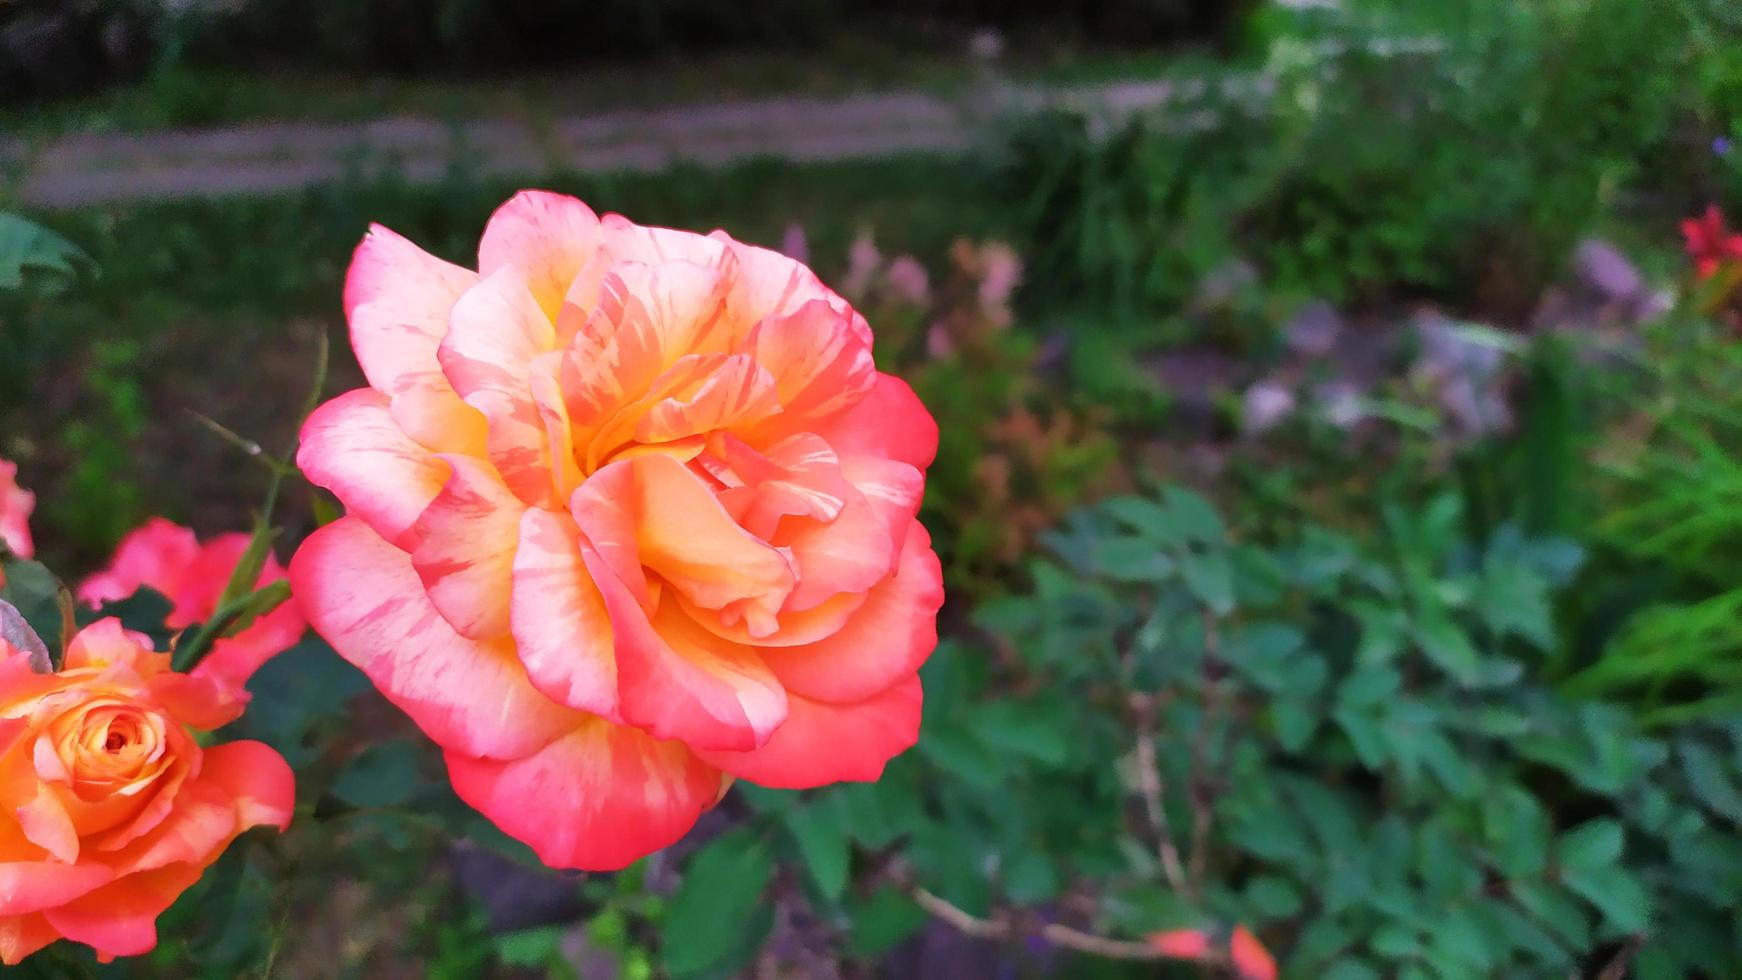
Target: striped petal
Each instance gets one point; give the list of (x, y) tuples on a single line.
[(547, 237), (352, 446), (598, 799), (820, 743), (465, 550), (560, 624), (362, 594)]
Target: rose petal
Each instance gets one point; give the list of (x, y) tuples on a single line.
[(157, 553), (22, 935), (465, 551), (352, 446), (559, 618), (547, 237), (597, 799), (889, 638), (888, 423), (31, 886), (820, 743), (496, 331), (120, 918), (362, 594)]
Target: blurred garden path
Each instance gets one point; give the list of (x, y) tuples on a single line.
[(262, 158)]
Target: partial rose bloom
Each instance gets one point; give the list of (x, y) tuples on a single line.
[(170, 560), (109, 806), (16, 504), (630, 512)]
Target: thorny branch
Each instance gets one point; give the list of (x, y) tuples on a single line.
[(1058, 935)]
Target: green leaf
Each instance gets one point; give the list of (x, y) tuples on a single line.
[(1271, 897), (1210, 579), (1710, 779), (1195, 516), (1592, 844), (820, 829), (1448, 647), (883, 921), (959, 751), (1458, 936), (1295, 721), (1038, 729), (717, 901), (25, 245), (384, 774), (1127, 559), (1615, 892), (1029, 877), (1555, 909), (34, 593)]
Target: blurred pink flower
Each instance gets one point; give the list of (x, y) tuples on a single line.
[(169, 559), (16, 504), (908, 281), (863, 261), (1001, 273), (795, 245)]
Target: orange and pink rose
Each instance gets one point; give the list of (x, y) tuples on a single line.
[(630, 511), (110, 807), (171, 560)]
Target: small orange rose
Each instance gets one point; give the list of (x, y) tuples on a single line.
[(109, 808)]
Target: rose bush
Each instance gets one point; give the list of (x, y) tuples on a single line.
[(109, 806), (630, 511), (170, 559)]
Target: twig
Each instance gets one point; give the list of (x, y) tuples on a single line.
[(1052, 932), (1154, 802)]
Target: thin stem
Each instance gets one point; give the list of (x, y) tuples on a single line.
[(1154, 801), (1054, 933)]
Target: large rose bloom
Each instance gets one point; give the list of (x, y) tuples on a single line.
[(109, 808), (630, 510), (170, 559), (16, 503)]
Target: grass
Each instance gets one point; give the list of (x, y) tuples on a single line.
[(183, 96), (214, 306)]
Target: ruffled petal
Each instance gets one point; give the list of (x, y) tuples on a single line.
[(496, 331), (120, 919), (559, 620), (675, 680), (888, 639), (363, 596), (548, 237), (465, 551), (256, 780), (889, 423), (155, 554), (22, 935), (650, 511), (823, 743), (597, 799), (352, 446)]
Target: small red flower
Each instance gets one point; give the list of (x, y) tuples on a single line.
[(1709, 242)]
